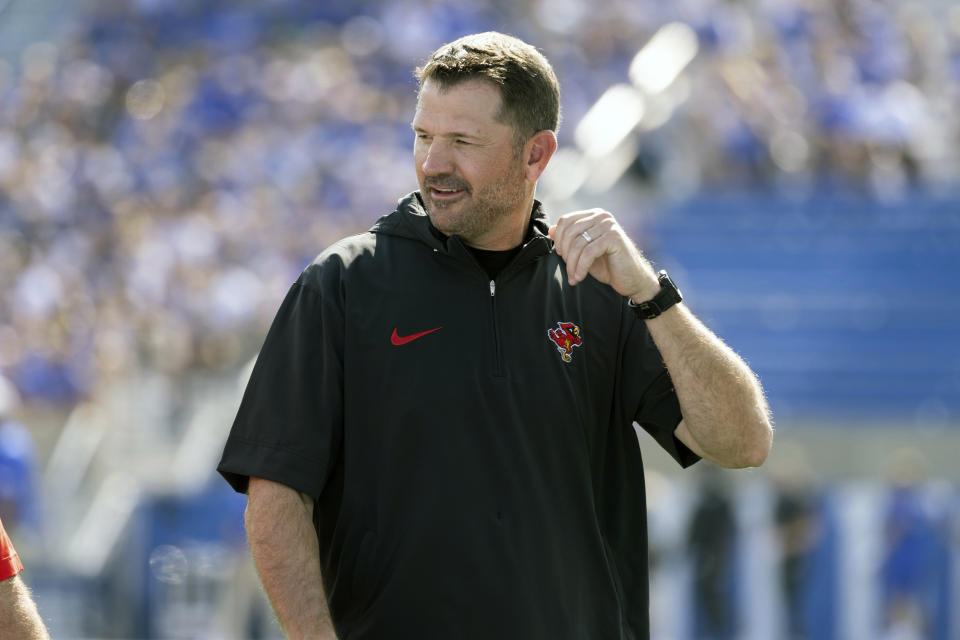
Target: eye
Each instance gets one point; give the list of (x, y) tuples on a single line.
[(423, 136), (463, 143)]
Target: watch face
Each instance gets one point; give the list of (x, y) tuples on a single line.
[(666, 284)]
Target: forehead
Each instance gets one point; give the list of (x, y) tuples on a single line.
[(471, 104)]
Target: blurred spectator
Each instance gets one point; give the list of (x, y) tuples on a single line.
[(710, 542), (798, 529), (17, 463), (916, 561)]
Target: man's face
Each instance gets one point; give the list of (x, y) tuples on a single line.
[(471, 178)]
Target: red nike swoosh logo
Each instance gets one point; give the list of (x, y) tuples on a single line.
[(397, 340)]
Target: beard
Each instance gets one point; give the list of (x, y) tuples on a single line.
[(476, 212)]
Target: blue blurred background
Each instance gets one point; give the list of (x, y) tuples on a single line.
[(167, 169)]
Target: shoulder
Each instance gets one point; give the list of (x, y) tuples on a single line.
[(347, 251), (336, 260)]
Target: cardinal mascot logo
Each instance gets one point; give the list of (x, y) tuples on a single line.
[(566, 336)]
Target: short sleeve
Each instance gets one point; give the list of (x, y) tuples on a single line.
[(648, 391), (288, 428), (10, 564)]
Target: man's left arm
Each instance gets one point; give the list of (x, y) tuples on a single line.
[(725, 416)]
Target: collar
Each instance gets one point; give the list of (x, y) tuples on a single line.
[(410, 220)]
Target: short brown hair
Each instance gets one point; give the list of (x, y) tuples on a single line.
[(529, 91)]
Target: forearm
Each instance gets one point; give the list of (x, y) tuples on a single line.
[(18, 614), (283, 543), (725, 416)]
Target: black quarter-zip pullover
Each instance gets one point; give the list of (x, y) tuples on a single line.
[(468, 440)]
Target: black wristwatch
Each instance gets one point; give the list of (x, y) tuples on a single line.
[(668, 296)]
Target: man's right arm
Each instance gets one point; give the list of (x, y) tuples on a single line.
[(283, 543)]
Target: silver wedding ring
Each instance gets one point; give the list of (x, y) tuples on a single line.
[(586, 236)]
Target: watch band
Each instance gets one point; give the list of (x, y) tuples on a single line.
[(668, 296)]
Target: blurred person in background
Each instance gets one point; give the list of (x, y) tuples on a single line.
[(18, 614), (798, 529), (711, 542), (437, 440), (17, 464), (914, 563)]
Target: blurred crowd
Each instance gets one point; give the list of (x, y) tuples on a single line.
[(828, 95), (167, 168)]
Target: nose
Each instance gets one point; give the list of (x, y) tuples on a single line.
[(436, 159)]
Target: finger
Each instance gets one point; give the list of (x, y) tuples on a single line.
[(601, 243), (587, 232), (579, 244), (571, 237), (562, 232), (604, 245), (575, 242)]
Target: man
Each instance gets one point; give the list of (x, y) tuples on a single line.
[(711, 537), (436, 440), (18, 615)]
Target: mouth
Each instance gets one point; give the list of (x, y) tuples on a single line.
[(437, 193)]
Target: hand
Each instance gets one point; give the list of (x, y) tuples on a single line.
[(609, 256)]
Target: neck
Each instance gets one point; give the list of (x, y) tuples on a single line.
[(510, 233)]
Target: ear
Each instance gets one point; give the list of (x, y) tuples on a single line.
[(537, 153)]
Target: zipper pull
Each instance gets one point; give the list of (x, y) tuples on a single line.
[(493, 288)]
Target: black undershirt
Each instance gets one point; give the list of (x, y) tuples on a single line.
[(493, 262)]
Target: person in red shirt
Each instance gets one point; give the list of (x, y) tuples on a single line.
[(18, 613)]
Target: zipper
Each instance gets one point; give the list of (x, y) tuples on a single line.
[(462, 256), (497, 360), (518, 261)]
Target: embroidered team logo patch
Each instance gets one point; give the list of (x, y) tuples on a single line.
[(566, 336)]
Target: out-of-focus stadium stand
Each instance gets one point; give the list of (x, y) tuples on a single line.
[(853, 312), (167, 168)]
